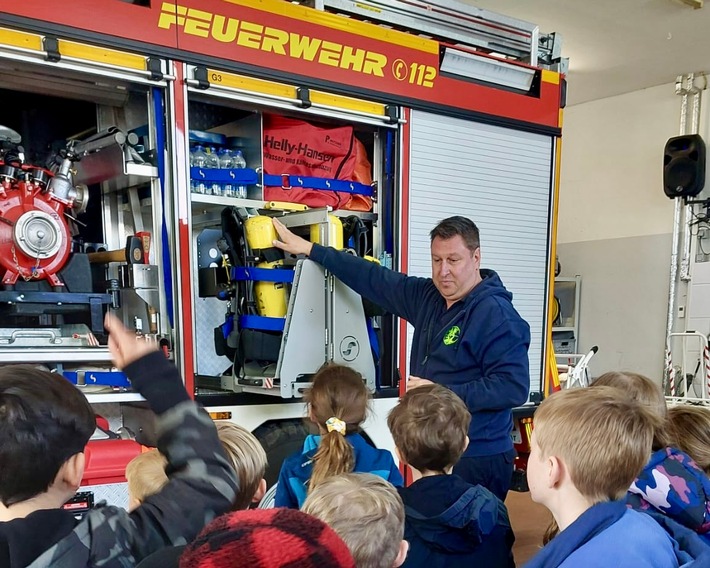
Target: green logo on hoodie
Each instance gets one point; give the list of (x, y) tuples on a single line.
[(452, 335)]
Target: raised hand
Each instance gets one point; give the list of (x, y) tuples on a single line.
[(289, 242), (123, 343)]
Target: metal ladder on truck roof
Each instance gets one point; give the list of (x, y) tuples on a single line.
[(458, 23)]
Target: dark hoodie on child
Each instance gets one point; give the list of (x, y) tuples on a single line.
[(451, 523)]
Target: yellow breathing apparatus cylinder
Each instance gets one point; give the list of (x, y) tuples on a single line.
[(335, 233), (271, 298)]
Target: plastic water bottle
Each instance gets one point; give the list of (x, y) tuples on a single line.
[(386, 259), (198, 159), (240, 163), (213, 164), (226, 163)]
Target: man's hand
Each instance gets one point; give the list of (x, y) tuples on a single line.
[(414, 382), (123, 344), (289, 242)]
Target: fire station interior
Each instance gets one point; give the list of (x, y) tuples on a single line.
[(587, 168)]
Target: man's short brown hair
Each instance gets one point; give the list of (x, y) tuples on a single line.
[(458, 226), (603, 437), (367, 513), (429, 427)]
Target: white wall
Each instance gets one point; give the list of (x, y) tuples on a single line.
[(612, 152), (615, 224)]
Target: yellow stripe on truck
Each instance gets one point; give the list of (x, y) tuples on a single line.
[(20, 39), (102, 55), (262, 87), (258, 86), (338, 101), (550, 77), (340, 23)]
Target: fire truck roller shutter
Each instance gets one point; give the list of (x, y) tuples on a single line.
[(501, 178)]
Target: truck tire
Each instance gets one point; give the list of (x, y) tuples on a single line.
[(280, 440)]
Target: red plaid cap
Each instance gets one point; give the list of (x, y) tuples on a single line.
[(267, 538)]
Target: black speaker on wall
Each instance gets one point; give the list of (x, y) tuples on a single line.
[(684, 166)]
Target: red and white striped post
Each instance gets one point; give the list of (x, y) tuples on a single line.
[(670, 371)]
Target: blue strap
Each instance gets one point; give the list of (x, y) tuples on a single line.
[(286, 181), (261, 274), (374, 343), (389, 184), (160, 152), (261, 322), (243, 176), (227, 326), (375, 348)]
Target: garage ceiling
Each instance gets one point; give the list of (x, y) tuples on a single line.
[(618, 46)]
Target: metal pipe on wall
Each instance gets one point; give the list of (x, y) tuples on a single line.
[(682, 215), (675, 246), (693, 128)]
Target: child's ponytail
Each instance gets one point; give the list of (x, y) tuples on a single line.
[(334, 455)]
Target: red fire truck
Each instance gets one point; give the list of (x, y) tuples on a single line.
[(141, 143)]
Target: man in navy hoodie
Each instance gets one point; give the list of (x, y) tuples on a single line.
[(468, 336)]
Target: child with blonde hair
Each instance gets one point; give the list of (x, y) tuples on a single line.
[(337, 404), (690, 429), (248, 458), (645, 392), (367, 513), (146, 476), (588, 445), (244, 453), (146, 473)]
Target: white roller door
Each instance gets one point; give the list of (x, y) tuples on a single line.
[(501, 179)]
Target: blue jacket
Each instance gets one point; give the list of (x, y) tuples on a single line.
[(296, 470), (478, 348), (672, 484), (610, 534), (451, 523)]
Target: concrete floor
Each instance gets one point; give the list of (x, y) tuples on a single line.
[(529, 521)]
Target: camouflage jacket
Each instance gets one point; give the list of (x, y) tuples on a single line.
[(673, 484), (201, 483)]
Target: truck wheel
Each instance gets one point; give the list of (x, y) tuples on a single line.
[(280, 440)]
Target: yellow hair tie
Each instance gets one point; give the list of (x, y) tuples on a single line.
[(335, 424)]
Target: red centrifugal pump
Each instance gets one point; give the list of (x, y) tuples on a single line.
[(35, 239)]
